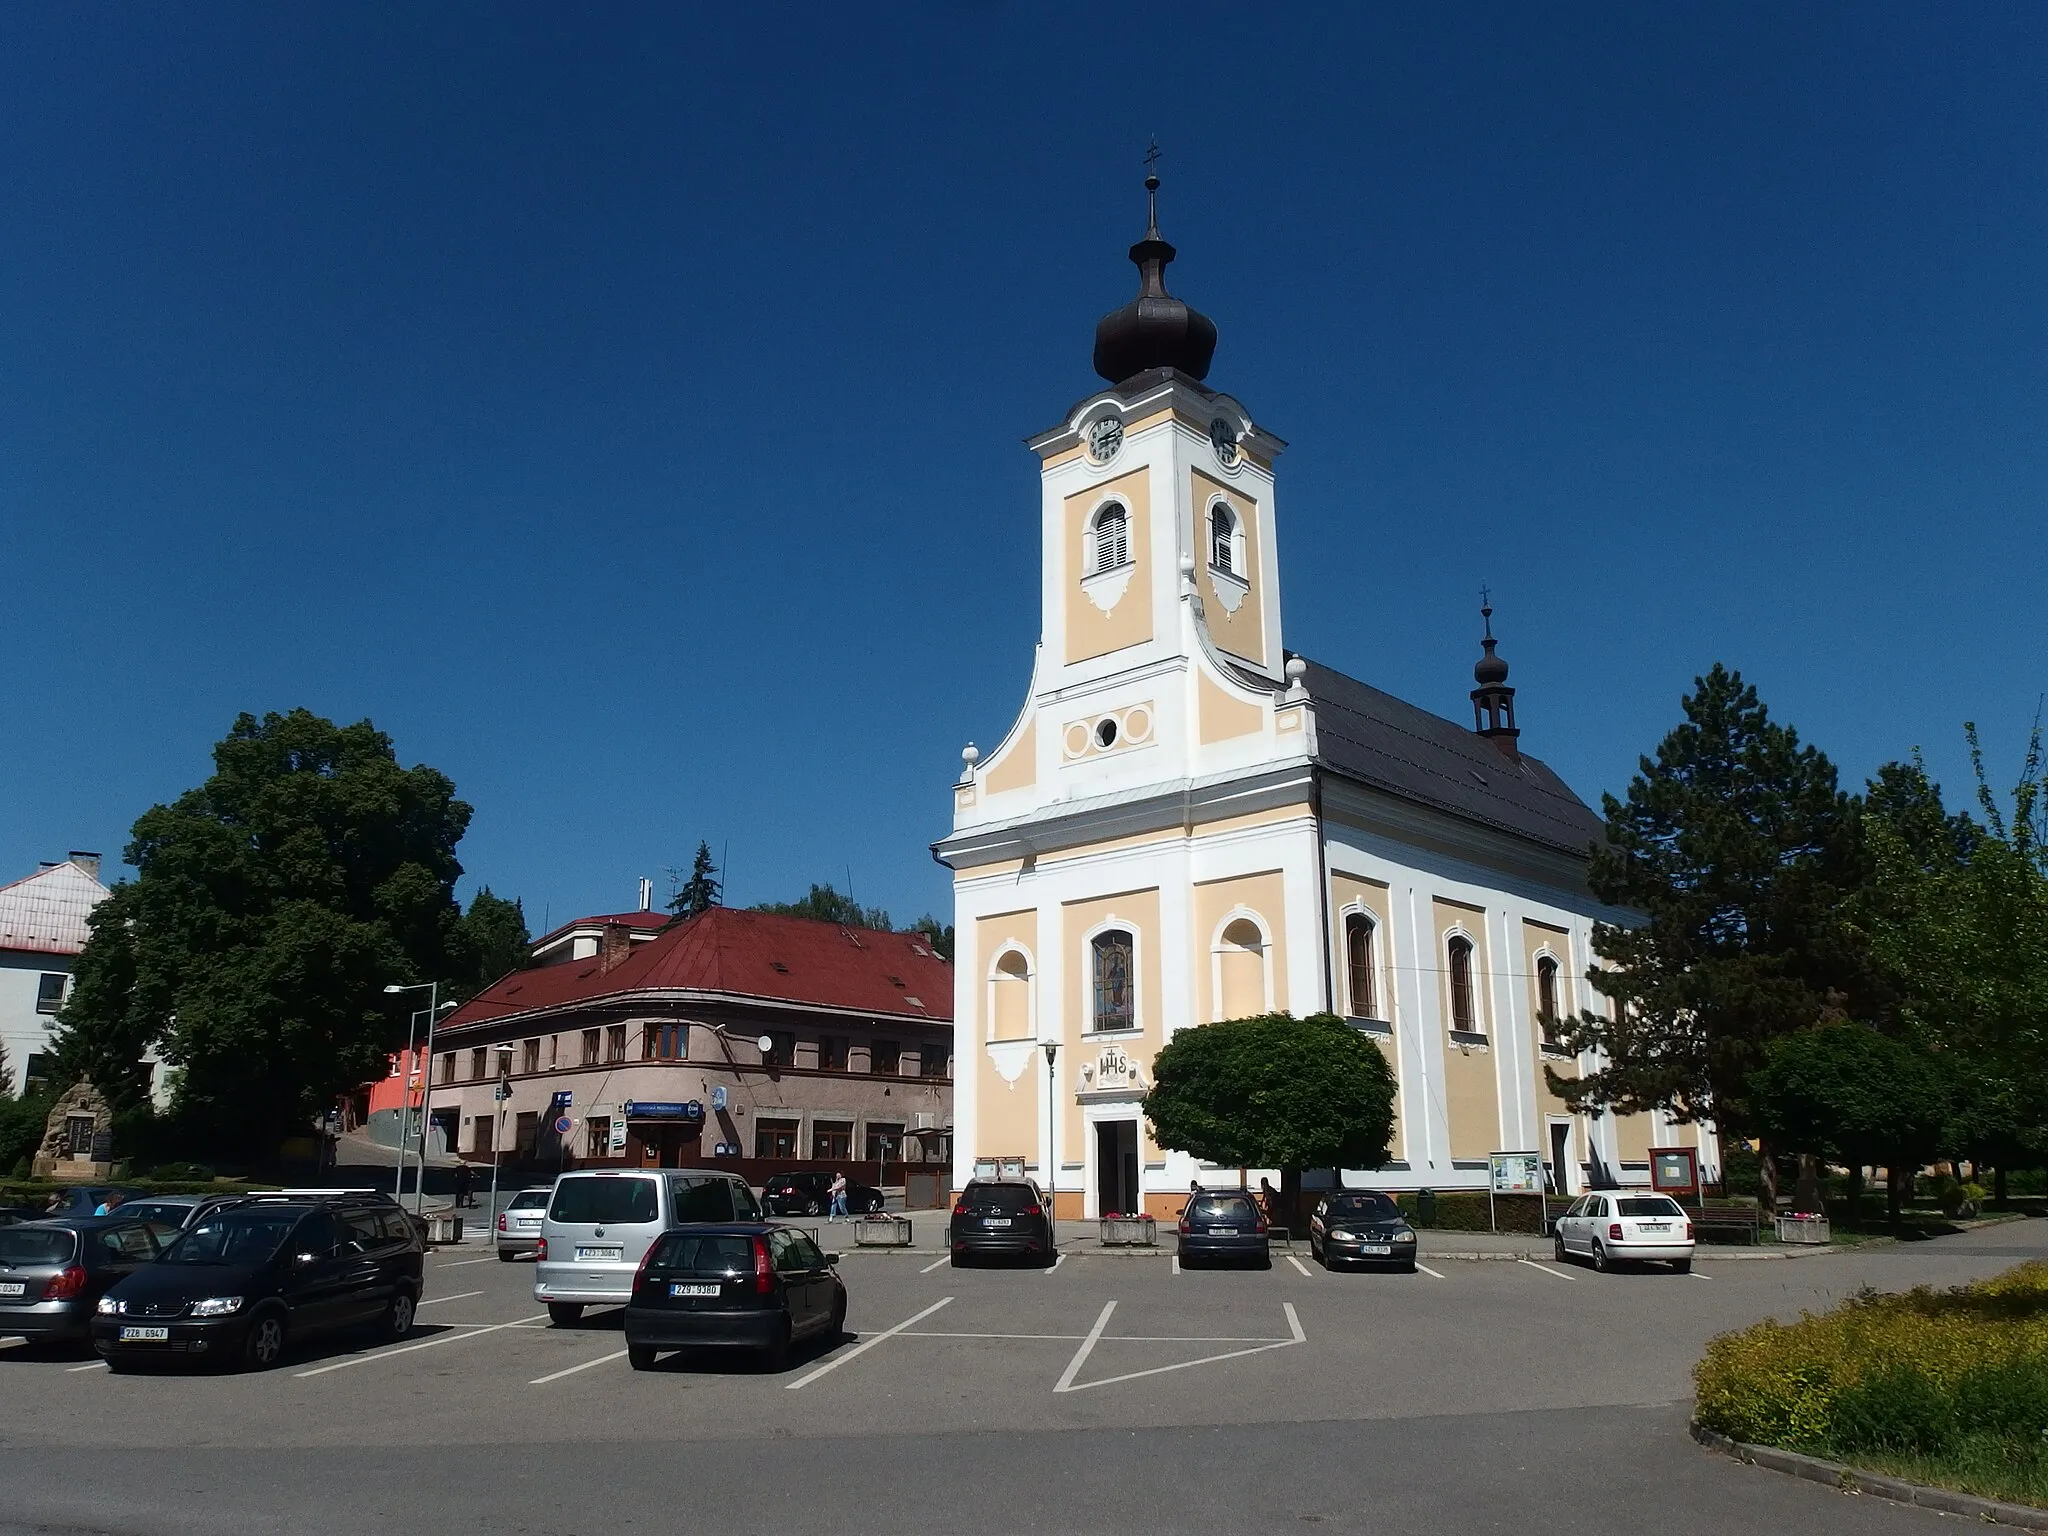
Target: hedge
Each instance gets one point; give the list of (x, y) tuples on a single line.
[(1948, 1385)]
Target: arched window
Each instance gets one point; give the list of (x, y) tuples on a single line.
[(1463, 1018), (1112, 540), (1241, 971), (1223, 539), (1358, 962), (1116, 1005), (1546, 998)]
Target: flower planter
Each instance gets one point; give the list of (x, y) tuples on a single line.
[(882, 1232), (1803, 1229), (444, 1229), (1130, 1232)]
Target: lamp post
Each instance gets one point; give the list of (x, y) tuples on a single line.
[(1052, 1049), (500, 1093), (434, 1009)]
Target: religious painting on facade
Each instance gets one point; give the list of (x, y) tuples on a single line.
[(1115, 1002)]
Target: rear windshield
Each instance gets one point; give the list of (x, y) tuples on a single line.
[(1371, 1207), (240, 1237), (1223, 1208), (32, 1245), (689, 1254), (1648, 1205), (157, 1210), (999, 1197), (601, 1199), (529, 1200)]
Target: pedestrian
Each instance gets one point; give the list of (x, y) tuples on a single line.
[(1269, 1197), (106, 1206), (465, 1185), (838, 1192)]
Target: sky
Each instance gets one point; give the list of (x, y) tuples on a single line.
[(623, 406)]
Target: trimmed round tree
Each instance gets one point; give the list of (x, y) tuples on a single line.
[(1274, 1091)]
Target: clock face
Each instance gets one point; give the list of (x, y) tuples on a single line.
[(1104, 438), (1223, 436)]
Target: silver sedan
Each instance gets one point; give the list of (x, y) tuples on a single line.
[(518, 1225)]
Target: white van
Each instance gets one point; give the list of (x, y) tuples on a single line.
[(599, 1226)]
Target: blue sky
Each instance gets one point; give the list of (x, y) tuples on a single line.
[(624, 409)]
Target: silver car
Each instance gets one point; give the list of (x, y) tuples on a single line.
[(518, 1225), (599, 1225)]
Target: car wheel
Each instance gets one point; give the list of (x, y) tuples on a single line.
[(1557, 1248), (397, 1321), (813, 1208), (775, 1356), (1681, 1266), (264, 1346), (1601, 1262), (565, 1314), (640, 1356)]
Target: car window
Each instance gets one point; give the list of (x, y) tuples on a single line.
[(784, 1252), (232, 1237), (157, 1210), (33, 1245), (744, 1206), (1648, 1205), (128, 1245), (710, 1200), (1364, 1207), (397, 1225), (318, 1234), (1000, 1197), (1596, 1206), (601, 1198), (718, 1253), (363, 1228), (1223, 1208), (813, 1256), (529, 1200)]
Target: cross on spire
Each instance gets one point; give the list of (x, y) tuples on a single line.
[(1152, 190)]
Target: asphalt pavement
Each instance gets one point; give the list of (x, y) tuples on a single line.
[(1105, 1395)]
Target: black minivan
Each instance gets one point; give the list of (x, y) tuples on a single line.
[(246, 1278)]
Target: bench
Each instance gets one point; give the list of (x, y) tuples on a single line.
[(1738, 1215)]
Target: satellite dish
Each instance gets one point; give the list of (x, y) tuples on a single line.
[(767, 1044)]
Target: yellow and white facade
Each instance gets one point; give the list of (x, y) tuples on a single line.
[(1187, 823)]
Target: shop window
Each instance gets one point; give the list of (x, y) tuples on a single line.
[(775, 1138), (832, 1139), (884, 1141)]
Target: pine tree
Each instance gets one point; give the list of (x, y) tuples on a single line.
[(1738, 849), (702, 890)]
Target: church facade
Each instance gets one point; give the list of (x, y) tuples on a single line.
[(1188, 822)]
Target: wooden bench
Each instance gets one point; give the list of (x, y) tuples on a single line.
[(1737, 1215)]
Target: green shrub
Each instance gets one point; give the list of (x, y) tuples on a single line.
[(1893, 1408)]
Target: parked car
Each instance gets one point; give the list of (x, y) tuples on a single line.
[(599, 1226), (1620, 1227), (1223, 1225), (177, 1211), (53, 1273), (737, 1285), (10, 1215), (809, 1193), (1004, 1218), (84, 1199), (253, 1275), (1361, 1226), (518, 1225)]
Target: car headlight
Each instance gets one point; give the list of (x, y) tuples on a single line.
[(216, 1306), (1404, 1237), (1338, 1234), (110, 1307)]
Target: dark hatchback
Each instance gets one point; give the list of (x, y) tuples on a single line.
[(1224, 1226), (742, 1285), (249, 1277), (1001, 1218), (53, 1273), (809, 1193), (1361, 1226)]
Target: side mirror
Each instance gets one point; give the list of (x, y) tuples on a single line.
[(831, 1258)]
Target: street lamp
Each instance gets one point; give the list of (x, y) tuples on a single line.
[(500, 1093), (435, 1008), (1052, 1049)]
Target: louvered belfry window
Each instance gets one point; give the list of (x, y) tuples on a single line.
[(1112, 539)]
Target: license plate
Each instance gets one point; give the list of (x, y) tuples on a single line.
[(1382, 1250), (693, 1288), (593, 1255), (13, 1287), (1223, 1231), (1656, 1226), (145, 1335), (996, 1221)]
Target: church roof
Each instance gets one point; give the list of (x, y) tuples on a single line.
[(1391, 745)]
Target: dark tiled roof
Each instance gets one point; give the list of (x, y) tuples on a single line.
[(1390, 745)]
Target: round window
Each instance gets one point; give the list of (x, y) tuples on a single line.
[(1105, 734)]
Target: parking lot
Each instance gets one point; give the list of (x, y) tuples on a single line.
[(947, 1367)]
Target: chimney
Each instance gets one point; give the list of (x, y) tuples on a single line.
[(612, 946), (646, 894), (89, 862)]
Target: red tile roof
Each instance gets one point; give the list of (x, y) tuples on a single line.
[(744, 955)]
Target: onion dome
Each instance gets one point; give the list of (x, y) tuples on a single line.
[(1493, 701), (1154, 330)]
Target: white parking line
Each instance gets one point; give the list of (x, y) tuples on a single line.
[(457, 1264), (935, 1263), (617, 1354), (1057, 1261), (1297, 1263), (97, 1365), (1428, 1271), (867, 1344), (406, 1349), (1087, 1348), (1066, 1382), (1697, 1275), (1176, 1263), (1545, 1268), (458, 1296)]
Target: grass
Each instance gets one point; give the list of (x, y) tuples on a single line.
[(1978, 1465)]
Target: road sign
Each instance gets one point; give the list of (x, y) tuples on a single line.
[(564, 1125), (718, 1097), (561, 1099), (502, 1092)]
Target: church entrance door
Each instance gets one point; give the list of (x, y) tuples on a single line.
[(1116, 1167)]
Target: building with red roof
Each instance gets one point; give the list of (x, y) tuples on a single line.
[(726, 1036)]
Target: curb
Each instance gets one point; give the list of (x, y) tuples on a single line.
[(1834, 1474)]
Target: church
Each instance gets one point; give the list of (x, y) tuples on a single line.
[(1189, 822)]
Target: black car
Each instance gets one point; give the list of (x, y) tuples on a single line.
[(53, 1273), (252, 1275), (1222, 1224), (1361, 1226), (733, 1285), (810, 1194), (1006, 1218)]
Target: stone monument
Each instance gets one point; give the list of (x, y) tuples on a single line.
[(78, 1138)]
